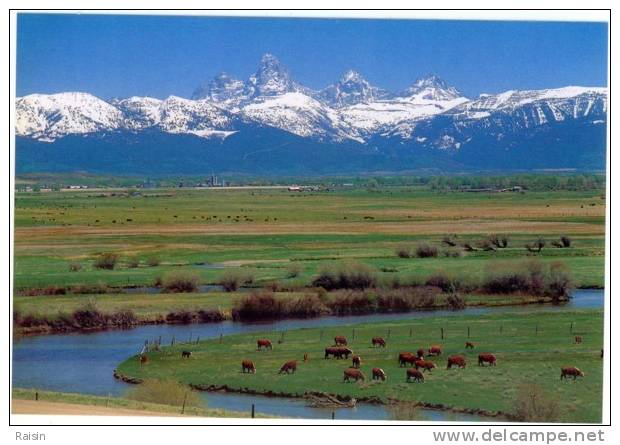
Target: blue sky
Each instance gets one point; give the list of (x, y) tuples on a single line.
[(119, 56)]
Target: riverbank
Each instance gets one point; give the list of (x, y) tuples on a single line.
[(43, 315), (29, 401), (530, 349)]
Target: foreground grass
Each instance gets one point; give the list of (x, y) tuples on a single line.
[(530, 348), (117, 402)]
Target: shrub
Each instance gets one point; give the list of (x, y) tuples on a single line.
[(152, 261), (132, 263), (231, 280), (559, 281), (294, 270), (75, 267), (307, 306), (449, 240), (260, 305), (183, 317), (406, 299), (403, 252), (165, 392), (486, 245), (211, 315), (455, 301), (106, 261), (533, 404), (179, 281), (499, 241), (424, 250), (536, 246), (350, 302), (346, 276), (534, 277), (446, 282), (566, 241)]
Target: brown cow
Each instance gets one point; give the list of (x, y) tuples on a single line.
[(248, 366), (405, 358), (357, 361), (378, 374), (143, 359), (353, 374), (425, 365), (378, 341), (487, 358), (414, 374), (337, 352), (264, 343), (571, 371), (578, 339), (339, 340), (186, 354), (434, 350), (289, 366), (420, 352), (456, 360), (469, 345)]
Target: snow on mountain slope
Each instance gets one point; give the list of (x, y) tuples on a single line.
[(47, 117), (139, 112), (299, 114), (199, 117), (351, 89), (426, 97)]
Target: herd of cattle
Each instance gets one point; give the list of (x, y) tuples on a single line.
[(417, 361)]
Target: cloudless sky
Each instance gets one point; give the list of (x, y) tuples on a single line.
[(119, 56)]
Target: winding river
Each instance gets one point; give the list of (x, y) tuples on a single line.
[(84, 362)]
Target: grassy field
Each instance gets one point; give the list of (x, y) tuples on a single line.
[(71, 403), (530, 348), (265, 232)]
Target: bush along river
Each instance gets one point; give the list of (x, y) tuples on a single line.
[(85, 362)]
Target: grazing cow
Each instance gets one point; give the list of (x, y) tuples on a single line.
[(337, 352), (264, 343), (487, 358), (601, 353), (378, 341), (353, 374), (248, 366), (456, 360), (434, 350), (186, 354), (469, 345), (578, 339), (143, 359), (305, 357), (339, 340), (571, 371), (425, 365), (414, 374), (420, 352), (378, 374), (405, 358), (289, 366), (357, 361)]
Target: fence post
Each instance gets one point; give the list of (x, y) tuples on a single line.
[(442, 333), (183, 408), (252, 410), (353, 333), (501, 329), (536, 328), (571, 327), (333, 415), (388, 333), (159, 341), (197, 339), (467, 331), (410, 332), (221, 337), (172, 341), (36, 395)]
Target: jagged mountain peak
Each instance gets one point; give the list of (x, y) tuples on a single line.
[(351, 89), (432, 87)]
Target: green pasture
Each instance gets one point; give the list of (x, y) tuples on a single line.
[(530, 348)]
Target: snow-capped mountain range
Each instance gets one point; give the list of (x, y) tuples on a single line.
[(429, 115)]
